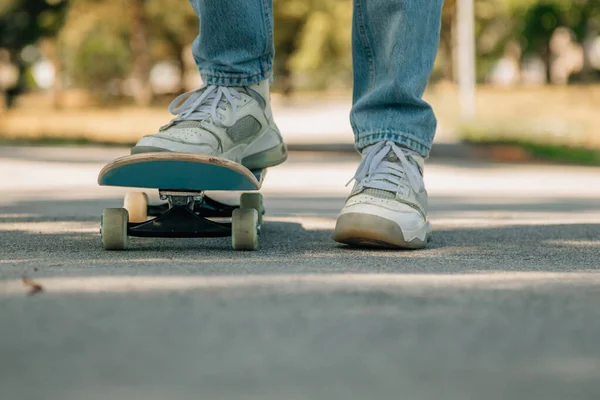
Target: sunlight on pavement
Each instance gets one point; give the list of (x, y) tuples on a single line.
[(301, 283), (51, 228), (576, 243), (308, 223), (300, 178), (511, 218)]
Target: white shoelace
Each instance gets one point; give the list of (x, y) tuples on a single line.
[(202, 103), (376, 173)]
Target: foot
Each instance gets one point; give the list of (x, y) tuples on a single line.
[(233, 123), (388, 205)]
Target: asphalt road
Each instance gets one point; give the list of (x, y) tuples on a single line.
[(504, 304)]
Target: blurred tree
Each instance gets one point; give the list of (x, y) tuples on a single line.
[(538, 19), (171, 32), (101, 59), (103, 42), (290, 17), (530, 23), (538, 24), (584, 20), (312, 44), (24, 22), (140, 52), (144, 33), (94, 45), (493, 30), (447, 38)]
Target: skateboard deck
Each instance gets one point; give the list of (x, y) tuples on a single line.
[(179, 171), (181, 179)]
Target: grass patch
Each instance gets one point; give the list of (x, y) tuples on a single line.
[(569, 155), (551, 123), (537, 144)]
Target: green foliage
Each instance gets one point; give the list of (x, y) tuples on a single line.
[(537, 20), (23, 22), (312, 37), (539, 151), (312, 43), (170, 31), (93, 44), (539, 23), (100, 59)]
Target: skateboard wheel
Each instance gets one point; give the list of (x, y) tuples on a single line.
[(136, 204), (244, 229), (113, 229), (253, 200)]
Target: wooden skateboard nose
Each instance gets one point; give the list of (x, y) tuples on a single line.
[(179, 171)]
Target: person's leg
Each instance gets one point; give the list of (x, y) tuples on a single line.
[(235, 43), (230, 115), (394, 47)]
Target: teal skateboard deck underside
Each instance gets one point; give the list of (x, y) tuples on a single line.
[(179, 171)]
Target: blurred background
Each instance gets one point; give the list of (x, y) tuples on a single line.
[(104, 71), (504, 303)]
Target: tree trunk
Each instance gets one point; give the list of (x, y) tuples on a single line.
[(3, 101), (140, 51), (448, 41), (179, 50), (18, 87), (57, 88), (448, 44), (181, 60), (547, 60), (50, 48)]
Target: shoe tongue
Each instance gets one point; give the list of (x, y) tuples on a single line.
[(391, 157)]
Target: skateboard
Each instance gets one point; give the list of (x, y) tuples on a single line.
[(182, 180)]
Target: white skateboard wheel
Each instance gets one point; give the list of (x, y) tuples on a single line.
[(244, 229), (253, 200), (136, 204), (113, 228)]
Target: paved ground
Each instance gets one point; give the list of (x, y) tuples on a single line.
[(505, 304)]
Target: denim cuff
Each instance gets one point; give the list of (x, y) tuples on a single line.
[(412, 142), (219, 78)]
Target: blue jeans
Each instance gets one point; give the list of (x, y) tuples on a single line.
[(394, 44)]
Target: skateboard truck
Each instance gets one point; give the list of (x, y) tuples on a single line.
[(208, 207), (179, 221), (185, 215)]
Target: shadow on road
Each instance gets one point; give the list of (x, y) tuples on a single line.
[(293, 243)]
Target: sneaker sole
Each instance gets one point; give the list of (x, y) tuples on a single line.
[(366, 230), (268, 158), (148, 149)]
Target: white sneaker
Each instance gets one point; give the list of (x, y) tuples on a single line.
[(233, 123), (388, 205)]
